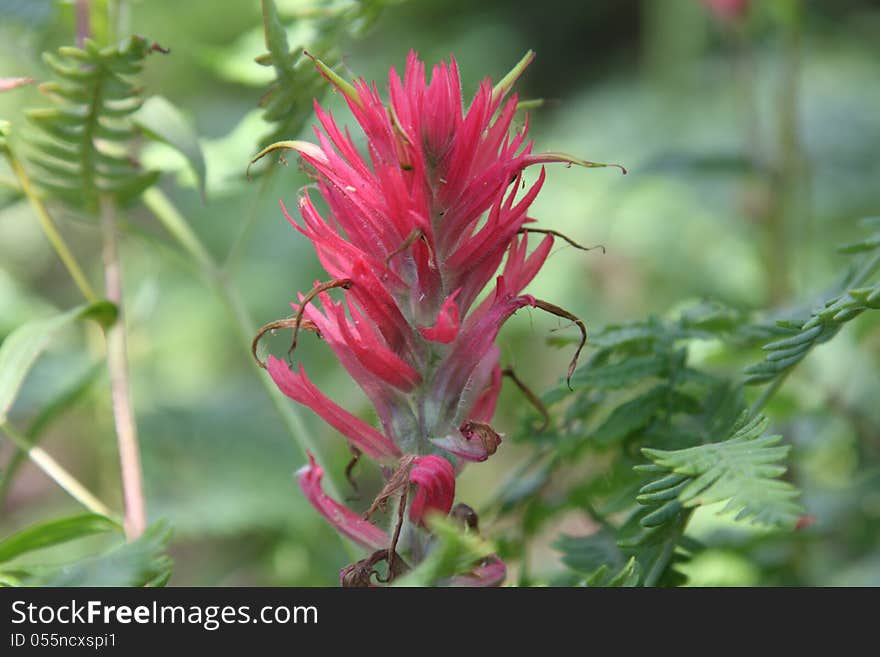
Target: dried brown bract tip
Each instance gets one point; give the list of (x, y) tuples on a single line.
[(562, 312), (563, 236), (396, 485), (466, 516), (344, 283), (415, 235), (489, 438), (289, 322), (360, 573), (357, 575), (349, 471), (527, 392)]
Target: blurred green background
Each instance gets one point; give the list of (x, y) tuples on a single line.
[(752, 149)]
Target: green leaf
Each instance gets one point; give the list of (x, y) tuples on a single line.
[(140, 563), (162, 121), (587, 554), (288, 102), (94, 100), (22, 347), (630, 416), (825, 322), (55, 532), (743, 470), (621, 374), (456, 553), (54, 409)]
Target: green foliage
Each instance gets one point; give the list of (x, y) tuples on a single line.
[(640, 393), (55, 532), (139, 563), (162, 121), (456, 552), (84, 149), (743, 470), (825, 322), (47, 415), (288, 102), (22, 347), (628, 576), (599, 559)]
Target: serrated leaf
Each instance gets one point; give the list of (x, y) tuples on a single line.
[(22, 347), (163, 122), (55, 532), (743, 470)]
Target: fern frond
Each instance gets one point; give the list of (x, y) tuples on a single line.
[(288, 102), (81, 152), (744, 470), (825, 322)]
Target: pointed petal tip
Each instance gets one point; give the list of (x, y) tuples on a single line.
[(345, 88), (344, 520), (506, 83), (541, 158)]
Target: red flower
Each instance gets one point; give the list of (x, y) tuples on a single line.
[(414, 232)]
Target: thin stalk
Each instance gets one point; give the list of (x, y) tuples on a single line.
[(51, 230), (787, 200), (117, 365), (238, 244), (245, 328), (57, 473), (662, 562), (767, 394), (82, 22)]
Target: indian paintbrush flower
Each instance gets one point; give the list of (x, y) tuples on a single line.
[(413, 234)]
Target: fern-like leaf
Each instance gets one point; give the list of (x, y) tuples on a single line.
[(744, 470), (83, 151), (288, 102), (825, 322)]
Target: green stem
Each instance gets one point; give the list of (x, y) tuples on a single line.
[(662, 562), (51, 230), (238, 244), (244, 326), (787, 194), (117, 365), (767, 394), (57, 473), (49, 414)]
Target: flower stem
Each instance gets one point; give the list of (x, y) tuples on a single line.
[(117, 365), (245, 328), (50, 229), (56, 472)]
